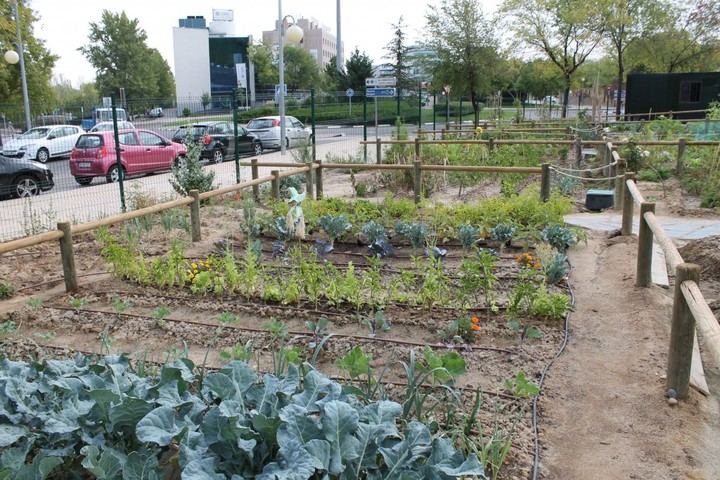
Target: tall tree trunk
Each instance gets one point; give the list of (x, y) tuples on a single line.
[(621, 78), (476, 108), (566, 95)]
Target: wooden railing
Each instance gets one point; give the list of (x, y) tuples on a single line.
[(690, 310)]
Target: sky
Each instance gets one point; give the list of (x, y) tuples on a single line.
[(64, 24)]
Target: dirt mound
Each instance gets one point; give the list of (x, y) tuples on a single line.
[(706, 253)]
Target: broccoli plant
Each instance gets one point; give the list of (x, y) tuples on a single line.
[(561, 238), (468, 235), (281, 229), (503, 233), (374, 232), (334, 226), (415, 233)]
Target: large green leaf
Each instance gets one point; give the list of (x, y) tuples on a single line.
[(141, 465), (298, 424), (408, 454), (128, 413), (105, 465), (14, 458), (10, 434), (203, 469), (295, 463), (445, 461), (340, 421), (39, 469), (158, 426)]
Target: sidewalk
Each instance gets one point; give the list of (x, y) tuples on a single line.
[(21, 217), (677, 228)]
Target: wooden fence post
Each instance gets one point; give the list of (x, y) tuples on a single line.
[(378, 151), (310, 181), (255, 176), (619, 185), (319, 180), (643, 276), (442, 134), (682, 333), (578, 152), (545, 183), (195, 216), (628, 206), (417, 181), (275, 184), (417, 149), (680, 165), (67, 256), (491, 145)]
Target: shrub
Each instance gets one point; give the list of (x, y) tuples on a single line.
[(7, 290), (559, 237), (186, 112), (190, 175)]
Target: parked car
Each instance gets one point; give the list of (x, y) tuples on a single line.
[(155, 112), (108, 126), (20, 177), (43, 143), (218, 139), (141, 151), (268, 131)]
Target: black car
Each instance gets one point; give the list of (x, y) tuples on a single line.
[(218, 139), (20, 177)]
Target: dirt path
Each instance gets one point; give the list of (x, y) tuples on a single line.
[(604, 415)]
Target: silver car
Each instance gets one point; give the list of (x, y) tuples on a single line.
[(107, 126), (267, 129)]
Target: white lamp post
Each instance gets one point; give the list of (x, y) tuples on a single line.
[(294, 35), (12, 57)]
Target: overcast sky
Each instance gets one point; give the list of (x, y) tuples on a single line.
[(365, 23)]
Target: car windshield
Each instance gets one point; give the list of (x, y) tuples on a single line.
[(195, 131), (36, 133), (89, 141), (260, 123)]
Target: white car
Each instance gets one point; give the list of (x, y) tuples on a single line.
[(267, 129), (43, 143), (108, 126)]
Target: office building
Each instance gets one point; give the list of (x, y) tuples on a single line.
[(317, 40)]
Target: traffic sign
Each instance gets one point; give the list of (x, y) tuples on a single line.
[(381, 82), (277, 89), (380, 92), (349, 92)]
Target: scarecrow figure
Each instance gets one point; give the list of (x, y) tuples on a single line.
[(295, 219)]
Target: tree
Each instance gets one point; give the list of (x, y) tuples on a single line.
[(205, 100), (466, 48), (118, 50), (358, 68), (566, 31), (39, 62), (261, 56), (625, 22), (398, 55), (334, 80), (539, 78), (301, 69), (68, 97)]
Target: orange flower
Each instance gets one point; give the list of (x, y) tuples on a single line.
[(475, 327), (475, 320)]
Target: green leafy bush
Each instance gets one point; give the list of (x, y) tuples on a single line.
[(190, 175), (415, 233), (335, 226), (559, 237), (502, 233), (78, 418), (374, 232), (7, 290)]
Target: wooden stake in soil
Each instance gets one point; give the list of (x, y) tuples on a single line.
[(310, 181), (319, 180), (275, 184), (195, 216), (643, 276), (578, 152), (378, 152), (628, 206), (417, 181), (417, 148), (680, 165), (619, 190), (545, 183), (67, 256), (682, 334), (255, 176)]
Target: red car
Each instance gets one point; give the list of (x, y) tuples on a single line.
[(141, 151)]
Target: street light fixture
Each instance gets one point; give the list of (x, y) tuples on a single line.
[(294, 36)]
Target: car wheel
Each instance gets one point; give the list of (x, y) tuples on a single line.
[(43, 155), (26, 186), (113, 175), (180, 162), (217, 156), (257, 148), (84, 180)]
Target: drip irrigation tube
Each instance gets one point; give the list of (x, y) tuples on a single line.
[(535, 428)]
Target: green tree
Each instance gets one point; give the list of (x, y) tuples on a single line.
[(71, 98), (358, 68), (398, 55), (39, 62), (205, 100), (165, 79), (301, 69), (539, 78), (261, 56), (118, 50), (333, 79), (466, 49), (626, 21), (565, 31)]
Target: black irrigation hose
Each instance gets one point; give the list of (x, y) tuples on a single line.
[(535, 428)]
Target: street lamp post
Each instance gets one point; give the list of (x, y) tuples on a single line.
[(13, 57), (294, 34)]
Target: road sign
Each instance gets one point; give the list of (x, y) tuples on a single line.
[(381, 82), (380, 92), (277, 90), (349, 92)]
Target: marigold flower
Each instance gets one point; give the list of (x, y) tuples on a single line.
[(194, 265), (475, 327), (475, 320)]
